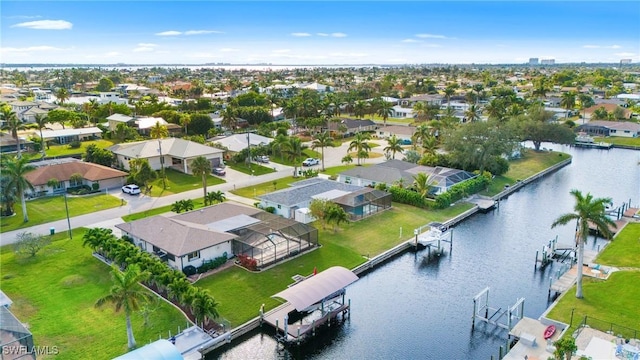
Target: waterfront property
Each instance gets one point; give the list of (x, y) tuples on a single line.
[(392, 171), (226, 229), (98, 177), (171, 152), (611, 128)]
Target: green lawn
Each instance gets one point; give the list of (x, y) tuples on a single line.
[(51, 208), (334, 171), (614, 300), (60, 150), (198, 203), (624, 250), (55, 292), (306, 153), (256, 169), (178, 182), (530, 164), (240, 293), (265, 187), (619, 140)]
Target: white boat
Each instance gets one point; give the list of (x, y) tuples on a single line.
[(433, 235)]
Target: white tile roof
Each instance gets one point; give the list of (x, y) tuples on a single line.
[(171, 146)]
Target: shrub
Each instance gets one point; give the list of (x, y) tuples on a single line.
[(212, 264), (189, 270), (247, 262), (75, 144), (270, 209), (409, 197)]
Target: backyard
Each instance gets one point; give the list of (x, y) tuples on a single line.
[(178, 182), (611, 301), (55, 292), (51, 208), (616, 140), (240, 293), (530, 164), (63, 150)]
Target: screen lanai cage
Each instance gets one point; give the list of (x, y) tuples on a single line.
[(15, 340), (364, 202), (273, 239)]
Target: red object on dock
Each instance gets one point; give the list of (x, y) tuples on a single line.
[(549, 331)]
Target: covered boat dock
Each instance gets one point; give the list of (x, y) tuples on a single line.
[(310, 304)]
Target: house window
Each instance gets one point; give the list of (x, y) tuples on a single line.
[(75, 182), (193, 255), (171, 257), (279, 207)]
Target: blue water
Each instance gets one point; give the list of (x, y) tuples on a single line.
[(412, 309)]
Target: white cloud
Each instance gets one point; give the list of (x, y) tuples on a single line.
[(45, 25), (229, 50), (202, 32), (143, 49), (625, 54), (431, 45), (601, 46), (300, 34), (24, 17), (169, 33), (147, 44), (29, 49), (322, 34), (281, 51), (431, 36), (411, 41), (338, 34)]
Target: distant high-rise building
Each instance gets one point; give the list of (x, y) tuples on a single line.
[(625, 61), (533, 61), (548, 61)]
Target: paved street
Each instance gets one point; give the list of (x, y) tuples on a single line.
[(140, 203)]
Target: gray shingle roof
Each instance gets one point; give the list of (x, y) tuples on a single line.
[(170, 146), (300, 193)]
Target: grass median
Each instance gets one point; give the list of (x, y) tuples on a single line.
[(52, 208), (178, 182), (55, 292)]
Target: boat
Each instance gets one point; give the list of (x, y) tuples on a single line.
[(437, 232), (549, 331), (584, 140)]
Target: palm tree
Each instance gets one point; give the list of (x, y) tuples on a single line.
[(360, 144), (278, 143), (423, 183), (423, 132), (126, 294), (62, 95), (15, 169), (185, 120), (41, 121), (200, 166), (13, 124), (586, 101), (214, 197), (158, 131), (360, 108), (335, 214), (587, 210), (203, 306), (473, 113), (321, 141), (229, 119), (293, 150), (95, 238), (568, 101), (385, 110), (448, 92), (394, 146)]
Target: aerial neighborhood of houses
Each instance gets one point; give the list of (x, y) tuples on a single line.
[(206, 171)]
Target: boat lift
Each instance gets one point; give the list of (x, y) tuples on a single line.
[(498, 317)]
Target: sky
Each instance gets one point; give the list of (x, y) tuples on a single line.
[(317, 33)]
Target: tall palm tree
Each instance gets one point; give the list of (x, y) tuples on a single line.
[(15, 169), (200, 166), (586, 210), (13, 124), (185, 120), (473, 113), (214, 197), (423, 132), (229, 119), (385, 110), (586, 101), (420, 109), (158, 131), (360, 108), (394, 145), (360, 144), (41, 121), (293, 150), (423, 183), (322, 140), (126, 294), (203, 306), (62, 95), (448, 92), (278, 144), (568, 101)]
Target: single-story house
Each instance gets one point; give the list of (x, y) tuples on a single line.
[(103, 177), (400, 131), (400, 112), (225, 229), (172, 152), (353, 126), (391, 171), (116, 119), (287, 202), (610, 128), (65, 136), (430, 99), (144, 125), (588, 112), (238, 142), (8, 143)]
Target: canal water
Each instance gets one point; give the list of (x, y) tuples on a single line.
[(413, 309)]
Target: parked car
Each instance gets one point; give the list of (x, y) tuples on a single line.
[(310, 162), (218, 171), (405, 142), (262, 159), (131, 189)]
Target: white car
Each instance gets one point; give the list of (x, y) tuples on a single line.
[(310, 162), (131, 189)]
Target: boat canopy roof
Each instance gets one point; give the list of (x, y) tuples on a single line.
[(317, 287)]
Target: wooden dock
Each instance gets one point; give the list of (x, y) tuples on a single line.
[(296, 332)]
